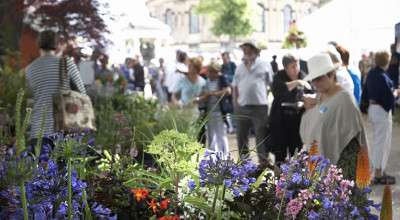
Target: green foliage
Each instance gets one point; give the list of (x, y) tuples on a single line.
[(122, 117), (235, 18), (11, 81), (175, 150)]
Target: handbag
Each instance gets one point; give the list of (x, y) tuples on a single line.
[(226, 103), (72, 109)]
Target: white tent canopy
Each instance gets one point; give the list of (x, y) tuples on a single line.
[(360, 26), (129, 26)]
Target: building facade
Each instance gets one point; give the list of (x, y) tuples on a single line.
[(192, 32)]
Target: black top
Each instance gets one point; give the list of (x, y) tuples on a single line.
[(139, 76), (380, 88), (274, 66), (282, 94)]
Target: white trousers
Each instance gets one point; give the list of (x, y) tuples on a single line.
[(382, 125), (216, 133)]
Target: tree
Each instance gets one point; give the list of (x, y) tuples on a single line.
[(235, 18), (71, 18)]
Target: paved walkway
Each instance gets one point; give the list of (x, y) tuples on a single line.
[(392, 168)]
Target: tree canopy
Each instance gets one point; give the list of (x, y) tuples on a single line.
[(71, 18), (235, 18)]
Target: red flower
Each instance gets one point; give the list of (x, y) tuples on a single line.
[(164, 204), (153, 206), (169, 218), (140, 193)]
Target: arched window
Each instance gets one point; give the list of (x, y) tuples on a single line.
[(287, 18), (261, 13), (193, 22), (168, 18)]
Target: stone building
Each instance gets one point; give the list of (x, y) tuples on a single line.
[(192, 32)]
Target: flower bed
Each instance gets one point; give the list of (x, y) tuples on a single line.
[(74, 180)]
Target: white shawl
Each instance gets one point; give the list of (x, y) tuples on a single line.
[(334, 123)]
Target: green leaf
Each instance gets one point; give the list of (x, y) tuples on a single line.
[(195, 178), (257, 183), (143, 179), (201, 204), (87, 210), (166, 182), (154, 175)]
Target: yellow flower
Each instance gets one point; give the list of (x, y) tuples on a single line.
[(386, 210), (362, 173)]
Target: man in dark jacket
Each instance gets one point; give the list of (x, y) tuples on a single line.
[(138, 72)]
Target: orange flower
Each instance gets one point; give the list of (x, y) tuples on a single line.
[(313, 152), (386, 210), (164, 204), (153, 206), (362, 174), (140, 193), (169, 218), (109, 78)]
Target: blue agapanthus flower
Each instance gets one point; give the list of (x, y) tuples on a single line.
[(216, 170)]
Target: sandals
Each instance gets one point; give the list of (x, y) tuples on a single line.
[(385, 179)]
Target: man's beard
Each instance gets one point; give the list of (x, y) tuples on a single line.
[(249, 57)]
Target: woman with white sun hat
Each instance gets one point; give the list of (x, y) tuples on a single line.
[(335, 120)]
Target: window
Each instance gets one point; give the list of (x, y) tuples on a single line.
[(261, 13), (168, 18), (193, 22), (287, 18)]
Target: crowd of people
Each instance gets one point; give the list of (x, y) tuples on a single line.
[(314, 100)]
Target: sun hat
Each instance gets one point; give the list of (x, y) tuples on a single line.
[(320, 65), (250, 43)]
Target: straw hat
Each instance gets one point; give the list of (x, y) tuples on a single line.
[(320, 65)]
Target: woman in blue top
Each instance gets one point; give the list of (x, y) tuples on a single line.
[(380, 92), (190, 89), (345, 55)]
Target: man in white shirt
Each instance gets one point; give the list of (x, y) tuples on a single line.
[(173, 74), (250, 89)]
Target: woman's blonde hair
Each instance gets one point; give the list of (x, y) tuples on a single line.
[(214, 67), (196, 63)]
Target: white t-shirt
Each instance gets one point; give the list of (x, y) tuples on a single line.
[(252, 85), (344, 79), (171, 76)]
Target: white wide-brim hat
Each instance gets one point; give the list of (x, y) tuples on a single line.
[(319, 65), (251, 43)]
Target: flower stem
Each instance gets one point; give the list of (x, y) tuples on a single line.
[(23, 199), (280, 206), (69, 189), (176, 192), (215, 198)]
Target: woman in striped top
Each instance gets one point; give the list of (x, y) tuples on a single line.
[(43, 78), (217, 85)]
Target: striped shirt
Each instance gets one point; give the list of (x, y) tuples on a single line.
[(212, 100), (43, 78)]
